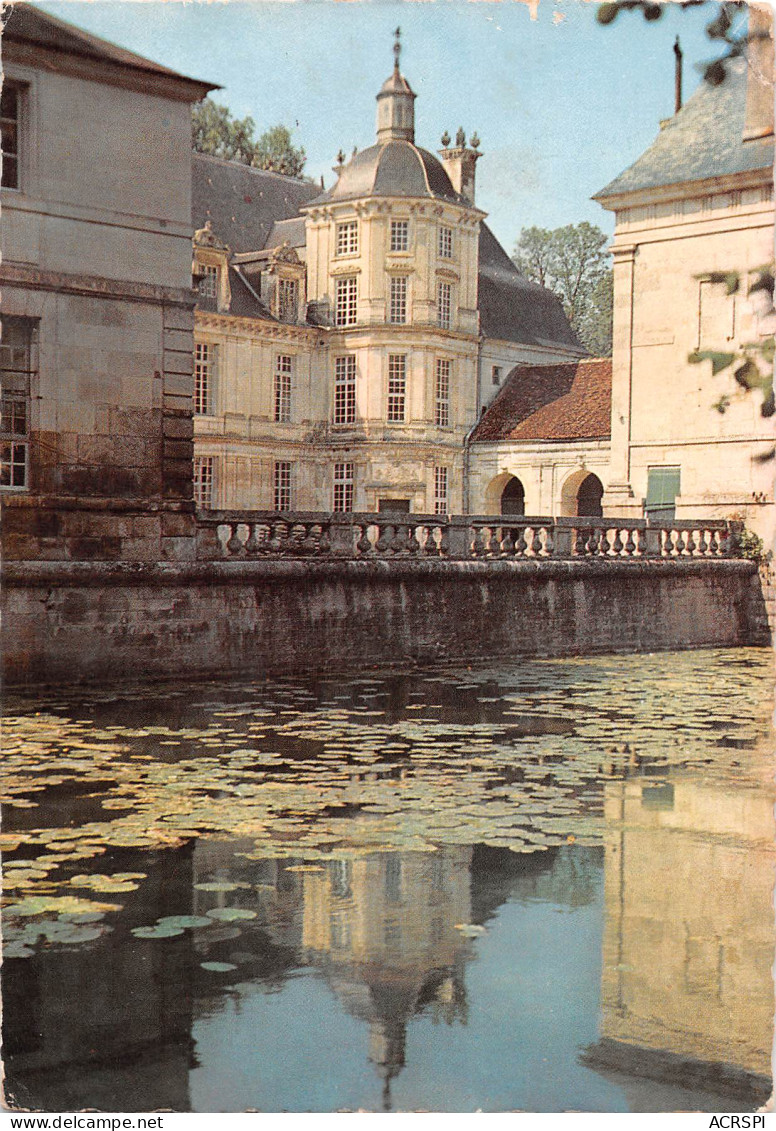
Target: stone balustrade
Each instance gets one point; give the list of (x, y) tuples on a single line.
[(271, 534)]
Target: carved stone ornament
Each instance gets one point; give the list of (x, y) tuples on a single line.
[(206, 237), (285, 254)]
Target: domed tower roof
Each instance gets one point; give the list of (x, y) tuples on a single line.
[(395, 168), (396, 103)]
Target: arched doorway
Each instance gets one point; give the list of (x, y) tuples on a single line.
[(589, 497), (513, 497)]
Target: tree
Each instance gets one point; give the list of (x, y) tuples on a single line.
[(572, 262), (275, 151), (215, 131)]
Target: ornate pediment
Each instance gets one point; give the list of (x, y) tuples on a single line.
[(206, 237), (285, 254)]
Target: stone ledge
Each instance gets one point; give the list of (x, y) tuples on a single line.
[(22, 573)]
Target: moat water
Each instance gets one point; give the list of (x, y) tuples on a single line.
[(540, 886)]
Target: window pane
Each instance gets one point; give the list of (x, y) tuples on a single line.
[(397, 386)]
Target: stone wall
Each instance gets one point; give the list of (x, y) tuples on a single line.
[(66, 621)]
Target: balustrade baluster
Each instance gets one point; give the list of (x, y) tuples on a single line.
[(413, 546), (494, 542), (324, 542), (234, 545), (630, 545), (617, 543), (605, 544), (521, 545), (691, 544), (580, 541), (252, 543), (385, 538), (703, 545), (591, 544), (444, 539), (508, 543), (400, 539), (364, 543), (680, 543), (548, 545), (478, 545)]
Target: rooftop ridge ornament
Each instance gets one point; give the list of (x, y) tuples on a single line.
[(396, 49)]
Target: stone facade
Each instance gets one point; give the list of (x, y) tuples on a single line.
[(361, 330), (97, 302), (696, 207)]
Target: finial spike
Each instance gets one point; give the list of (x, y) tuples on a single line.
[(396, 48)]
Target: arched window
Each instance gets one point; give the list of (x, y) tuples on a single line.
[(589, 497), (513, 497)]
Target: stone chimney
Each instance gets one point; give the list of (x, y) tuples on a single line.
[(460, 162)]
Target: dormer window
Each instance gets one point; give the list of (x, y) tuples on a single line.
[(288, 299), (208, 281), (400, 235), (347, 238)]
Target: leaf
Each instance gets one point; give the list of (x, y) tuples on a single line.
[(218, 967), (157, 932), (214, 885), (231, 914), (719, 361), (185, 921)]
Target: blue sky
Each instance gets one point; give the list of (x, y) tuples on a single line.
[(561, 104)]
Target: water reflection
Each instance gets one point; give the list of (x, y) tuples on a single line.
[(526, 906)]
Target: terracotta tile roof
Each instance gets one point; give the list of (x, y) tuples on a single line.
[(568, 401)]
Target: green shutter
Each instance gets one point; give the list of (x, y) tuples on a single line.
[(662, 487)]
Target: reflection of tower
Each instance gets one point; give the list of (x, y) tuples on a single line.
[(687, 991), (383, 927)]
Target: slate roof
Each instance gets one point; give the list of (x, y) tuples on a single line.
[(28, 24), (569, 401), (705, 139), (395, 168), (242, 202), (512, 308), (290, 231)]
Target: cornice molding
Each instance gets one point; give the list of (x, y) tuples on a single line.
[(92, 286)]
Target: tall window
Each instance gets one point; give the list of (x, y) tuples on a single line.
[(445, 243), (397, 386), (496, 374), (203, 482), (208, 281), (440, 490), (204, 378), (347, 238), (282, 484), (16, 363), (442, 415), (343, 486), (10, 114), (663, 485), (288, 299), (346, 301), (283, 368), (345, 389), (444, 304), (400, 235), (398, 302)]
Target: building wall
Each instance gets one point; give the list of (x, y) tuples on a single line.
[(551, 473), (97, 254), (663, 405), (70, 620)]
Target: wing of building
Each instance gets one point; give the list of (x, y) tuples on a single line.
[(348, 340), (694, 209)]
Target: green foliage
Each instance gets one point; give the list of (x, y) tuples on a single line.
[(754, 360), (572, 262), (726, 28), (751, 546), (216, 132)]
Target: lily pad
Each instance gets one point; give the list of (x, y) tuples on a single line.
[(215, 885), (185, 921), (157, 932), (231, 914), (218, 967)]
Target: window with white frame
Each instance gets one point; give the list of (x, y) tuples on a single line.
[(444, 305), (397, 387), (283, 371), (282, 485), (17, 344), (397, 311), (205, 354), (442, 398), (347, 238), (203, 482), (346, 301), (445, 243), (208, 281), (441, 503), (288, 299), (345, 389), (400, 235), (344, 478), (10, 129)]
